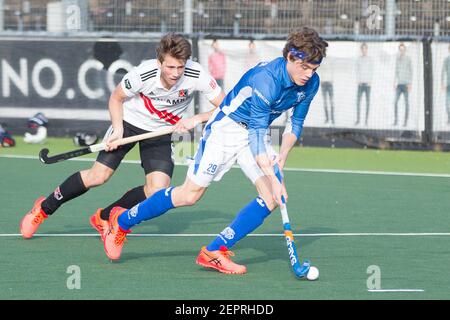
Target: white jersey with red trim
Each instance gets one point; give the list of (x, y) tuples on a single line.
[(150, 106)]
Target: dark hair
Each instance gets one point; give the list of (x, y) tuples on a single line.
[(174, 45), (306, 40)]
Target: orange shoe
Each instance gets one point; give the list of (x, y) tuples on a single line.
[(219, 260), (98, 223), (33, 219), (114, 235)]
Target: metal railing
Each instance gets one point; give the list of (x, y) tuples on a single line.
[(240, 17)]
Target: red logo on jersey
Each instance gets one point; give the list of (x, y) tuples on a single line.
[(164, 115), (213, 84), (182, 93)]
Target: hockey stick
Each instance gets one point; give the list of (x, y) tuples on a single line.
[(43, 154), (300, 271)]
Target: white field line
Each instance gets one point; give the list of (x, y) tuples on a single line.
[(396, 290), (386, 173), (380, 234)]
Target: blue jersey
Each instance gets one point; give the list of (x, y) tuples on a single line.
[(263, 94)]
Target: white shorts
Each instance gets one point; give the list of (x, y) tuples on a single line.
[(224, 143)]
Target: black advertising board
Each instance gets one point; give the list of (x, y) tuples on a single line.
[(75, 74)]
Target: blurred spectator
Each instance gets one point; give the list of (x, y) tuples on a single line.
[(83, 139), (217, 64), (37, 124), (403, 79), (364, 72), (445, 80), (252, 58), (6, 139), (326, 73)]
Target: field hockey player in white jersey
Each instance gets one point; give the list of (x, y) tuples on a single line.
[(151, 97)]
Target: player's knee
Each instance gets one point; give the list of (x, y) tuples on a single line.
[(151, 189), (270, 203), (190, 200), (96, 178), (187, 195)]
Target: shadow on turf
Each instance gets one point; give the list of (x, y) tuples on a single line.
[(272, 248), (268, 248), (175, 222)]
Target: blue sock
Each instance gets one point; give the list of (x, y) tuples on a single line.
[(247, 220), (160, 202)]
